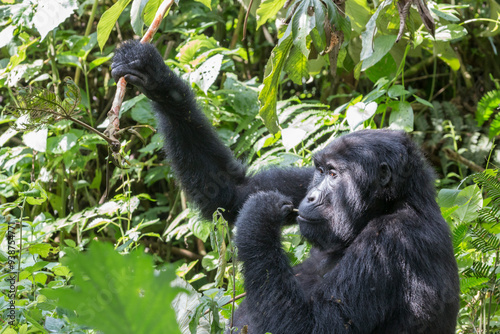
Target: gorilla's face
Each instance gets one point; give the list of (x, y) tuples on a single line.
[(345, 193)]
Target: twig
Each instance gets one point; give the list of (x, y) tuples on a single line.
[(452, 155), (114, 112)]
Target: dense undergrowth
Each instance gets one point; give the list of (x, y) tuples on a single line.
[(71, 212)]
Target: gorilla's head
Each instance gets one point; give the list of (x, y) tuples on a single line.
[(359, 177)]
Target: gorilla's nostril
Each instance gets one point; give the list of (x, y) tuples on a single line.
[(311, 199)]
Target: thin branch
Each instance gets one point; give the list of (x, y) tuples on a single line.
[(114, 112)]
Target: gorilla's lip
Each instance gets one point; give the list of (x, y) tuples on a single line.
[(302, 219)]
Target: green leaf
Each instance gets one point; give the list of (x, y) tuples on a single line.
[(386, 67), (99, 61), (469, 200), (150, 11), (43, 249), (117, 293), (487, 106), (424, 102), (296, 66), (359, 13), (136, 16), (449, 33), (382, 45), (108, 20), (268, 94), (267, 10), (50, 14), (303, 21), (207, 3), (401, 116), (368, 35), (397, 91)]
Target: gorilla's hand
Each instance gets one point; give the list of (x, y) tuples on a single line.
[(142, 66), (259, 223)]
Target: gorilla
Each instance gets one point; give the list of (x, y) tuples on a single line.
[(382, 259)]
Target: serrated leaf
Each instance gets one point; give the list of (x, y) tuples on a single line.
[(49, 14), (108, 20), (135, 297), (267, 10), (268, 94), (43, 249)]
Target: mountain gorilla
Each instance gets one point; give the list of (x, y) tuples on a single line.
[(382, 260)]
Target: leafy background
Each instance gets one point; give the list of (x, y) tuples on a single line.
[(99, 236)]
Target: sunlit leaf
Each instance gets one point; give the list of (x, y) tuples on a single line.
[(108, 20)]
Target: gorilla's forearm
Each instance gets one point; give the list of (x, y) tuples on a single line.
[(205, 166), (266, 268), (208, 172)]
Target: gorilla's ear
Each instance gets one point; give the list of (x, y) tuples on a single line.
[(385, 174)]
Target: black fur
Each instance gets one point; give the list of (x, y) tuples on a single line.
[(382, 260)]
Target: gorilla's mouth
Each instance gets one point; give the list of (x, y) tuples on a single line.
[(305, 220)]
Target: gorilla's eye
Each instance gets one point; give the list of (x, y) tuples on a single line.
[(332, 172), (320, 170)]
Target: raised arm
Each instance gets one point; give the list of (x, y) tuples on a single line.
[(208, 171)]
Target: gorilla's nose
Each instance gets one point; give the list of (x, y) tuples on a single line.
[(313, 196)]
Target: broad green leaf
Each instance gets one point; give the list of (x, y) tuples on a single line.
[(268, 94), (267, 10), (369, 34), (116, 293), (386, 67), (359, 13), (43, 249), (303, 21), (449, 33), (445, 52), (136, 16), (382, 45), (446, 197), (49, 14), (445, 14), (99, 61), (397, 91), (150, 11), (493, 28), (108, 20), (296, 66), (401, 116), (469, 200), (207, 3), (201, 228), (360, 112)]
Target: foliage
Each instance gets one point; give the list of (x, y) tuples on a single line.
[(302, 76), (474, 215)]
